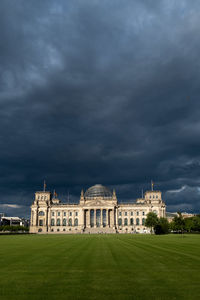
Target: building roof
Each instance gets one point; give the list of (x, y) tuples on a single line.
[(11, 218)]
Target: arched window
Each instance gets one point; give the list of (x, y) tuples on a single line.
[(70, 222), (131, 221), (58, 222), (143, 221), (120, 222), (76, 222), (64, 222), (41, 213), (137, 221), (52, 222), (125, 222)]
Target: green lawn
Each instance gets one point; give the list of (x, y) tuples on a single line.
[(99, 267)]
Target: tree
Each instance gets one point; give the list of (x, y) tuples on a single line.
[(162, 226), (178, 223), (151, 220)]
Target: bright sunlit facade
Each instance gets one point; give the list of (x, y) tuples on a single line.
[(98, 211)]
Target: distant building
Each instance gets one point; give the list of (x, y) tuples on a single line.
[(11, 221), (98, 211), (171, 215)]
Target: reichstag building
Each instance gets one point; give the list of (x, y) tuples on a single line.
[(98, 211)]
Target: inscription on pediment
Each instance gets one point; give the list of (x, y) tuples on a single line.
[(98, 203)]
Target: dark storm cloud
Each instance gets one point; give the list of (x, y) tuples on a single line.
[(100, 92)]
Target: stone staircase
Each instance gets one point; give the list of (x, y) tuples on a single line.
[(95, 230)]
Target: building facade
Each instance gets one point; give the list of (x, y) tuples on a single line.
[(98, 211)]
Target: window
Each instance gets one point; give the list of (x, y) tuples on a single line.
[(45, 197), (38, 197), (156, 196), (120, 222), (70, 222), (153, 196), (58, 222), (150, 197), (64, 222), (70, 213), (41, 197), (41, 213), (64, 213), (155, 212), (143, 221), (76, 213), (59, 214), (125, 222), (52, 222), (143, 213), (125, 213), (76, 222), (40, 222), (132, 213), (131, 221), (52, 214), (137, 213), (137, 221), (120, 213)]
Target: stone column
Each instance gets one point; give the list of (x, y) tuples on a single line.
[(88, 218), (49, 217), (37, 217), (83, 218), (114, 218), (111, 218), (107, 217), (101, 218), (95, 218)]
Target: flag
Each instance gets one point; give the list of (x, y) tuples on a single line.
[(152, 185)]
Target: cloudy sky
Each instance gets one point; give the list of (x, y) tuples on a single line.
[(103, 91)]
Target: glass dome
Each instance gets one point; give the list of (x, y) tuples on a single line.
[(98, 190)]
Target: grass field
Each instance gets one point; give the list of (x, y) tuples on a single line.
[(99, 267)]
